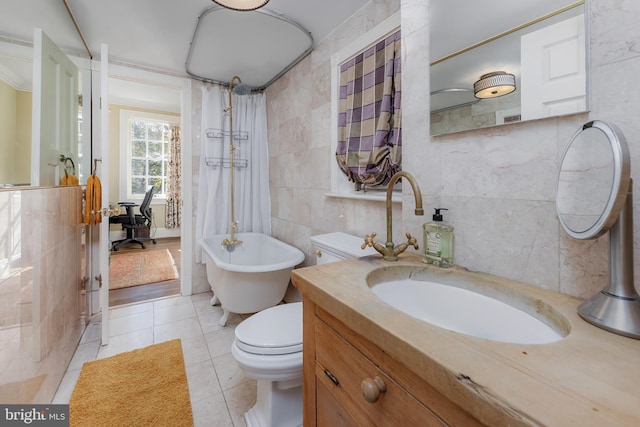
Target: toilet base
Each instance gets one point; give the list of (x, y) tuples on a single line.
[(278, 404)]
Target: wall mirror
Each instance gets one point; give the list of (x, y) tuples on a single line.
[(594, 195), (541, 47), (16, 85)]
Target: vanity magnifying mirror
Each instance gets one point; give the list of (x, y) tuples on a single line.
[(542, 45), (594, 195)]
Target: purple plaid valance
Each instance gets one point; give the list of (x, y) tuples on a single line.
[(369, 117)]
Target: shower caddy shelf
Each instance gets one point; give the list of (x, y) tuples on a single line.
[(215, 162), (225, 162)]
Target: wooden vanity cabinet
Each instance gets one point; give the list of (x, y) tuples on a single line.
[(350, 381)]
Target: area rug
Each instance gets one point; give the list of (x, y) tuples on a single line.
[(145, 387), (140, 268)]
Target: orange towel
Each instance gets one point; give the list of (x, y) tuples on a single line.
[(69, 180), (93, 201)]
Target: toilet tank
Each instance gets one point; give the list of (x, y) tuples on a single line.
[(338, 246)]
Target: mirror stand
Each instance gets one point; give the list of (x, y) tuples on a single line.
[(617, 307)]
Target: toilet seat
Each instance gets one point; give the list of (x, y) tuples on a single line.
[(274, 331)]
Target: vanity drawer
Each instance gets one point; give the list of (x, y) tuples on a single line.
[(330, 411), (341, 369)]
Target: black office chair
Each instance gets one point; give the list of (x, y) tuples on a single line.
[(133, 223)]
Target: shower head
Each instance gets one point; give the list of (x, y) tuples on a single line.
[(241, 89), (238, 89)]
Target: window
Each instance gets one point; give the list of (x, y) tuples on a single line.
[(340, 183), (144, 153)]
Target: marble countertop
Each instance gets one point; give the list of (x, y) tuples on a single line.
[(589, 378)]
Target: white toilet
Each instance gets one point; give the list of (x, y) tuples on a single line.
[(268, 346), (339, 246)]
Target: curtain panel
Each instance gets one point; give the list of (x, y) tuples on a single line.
[(251, 183), (369, 117), (174, 180)]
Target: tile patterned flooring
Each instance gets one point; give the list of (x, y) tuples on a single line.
[(220, 392)]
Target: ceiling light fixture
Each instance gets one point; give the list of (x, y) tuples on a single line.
[(242, 5), (492, 85)]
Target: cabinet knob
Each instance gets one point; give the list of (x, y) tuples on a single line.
[(372, 389)]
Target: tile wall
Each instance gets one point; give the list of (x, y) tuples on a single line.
[(498, 183), (299, 122), (41, 307)]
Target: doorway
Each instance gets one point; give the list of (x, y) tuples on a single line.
[(150, 98)]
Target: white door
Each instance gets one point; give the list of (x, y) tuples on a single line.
[(54, 112), (553, 70), (102, 151)]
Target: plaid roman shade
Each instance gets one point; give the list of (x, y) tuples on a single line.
[(369, 118)]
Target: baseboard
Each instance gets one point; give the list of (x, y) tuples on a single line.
[(158, 233)]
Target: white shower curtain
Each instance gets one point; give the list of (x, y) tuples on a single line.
[(251, 184)]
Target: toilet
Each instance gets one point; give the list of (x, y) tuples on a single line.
[(332, 247), (268, 345), (268, 348)]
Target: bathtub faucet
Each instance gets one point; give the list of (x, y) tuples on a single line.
[(389, 251), (230, 244)]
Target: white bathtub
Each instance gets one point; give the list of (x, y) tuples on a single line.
[(252, 277)]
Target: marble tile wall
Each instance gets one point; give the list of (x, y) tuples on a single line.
[(299, 122), (42, 310), (498, 183)]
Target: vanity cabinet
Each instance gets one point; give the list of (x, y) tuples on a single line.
[(351, 381), (422, 375)]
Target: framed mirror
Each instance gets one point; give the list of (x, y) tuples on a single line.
[(537, 51)]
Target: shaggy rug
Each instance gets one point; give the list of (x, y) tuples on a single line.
[(145, 387), (140, 268)]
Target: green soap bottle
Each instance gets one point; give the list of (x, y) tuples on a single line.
[(438, 241)]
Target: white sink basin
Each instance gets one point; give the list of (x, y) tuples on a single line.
[(465, 311)]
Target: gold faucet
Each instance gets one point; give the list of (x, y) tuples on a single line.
[(230, 244), (389, 251)]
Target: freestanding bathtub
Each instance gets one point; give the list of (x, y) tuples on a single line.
[(253, 276)]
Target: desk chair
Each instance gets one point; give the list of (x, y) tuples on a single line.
[(133, 223)]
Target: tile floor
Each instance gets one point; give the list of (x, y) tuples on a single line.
[(220, 392)]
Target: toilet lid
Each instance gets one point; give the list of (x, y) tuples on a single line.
[(276, 330)]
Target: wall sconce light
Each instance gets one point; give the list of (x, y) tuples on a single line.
[(242, 5), (494, 84)]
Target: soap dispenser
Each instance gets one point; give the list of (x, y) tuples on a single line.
[(438, 241)]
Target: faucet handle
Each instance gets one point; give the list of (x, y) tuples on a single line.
[(368, 240), (412, 241)]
